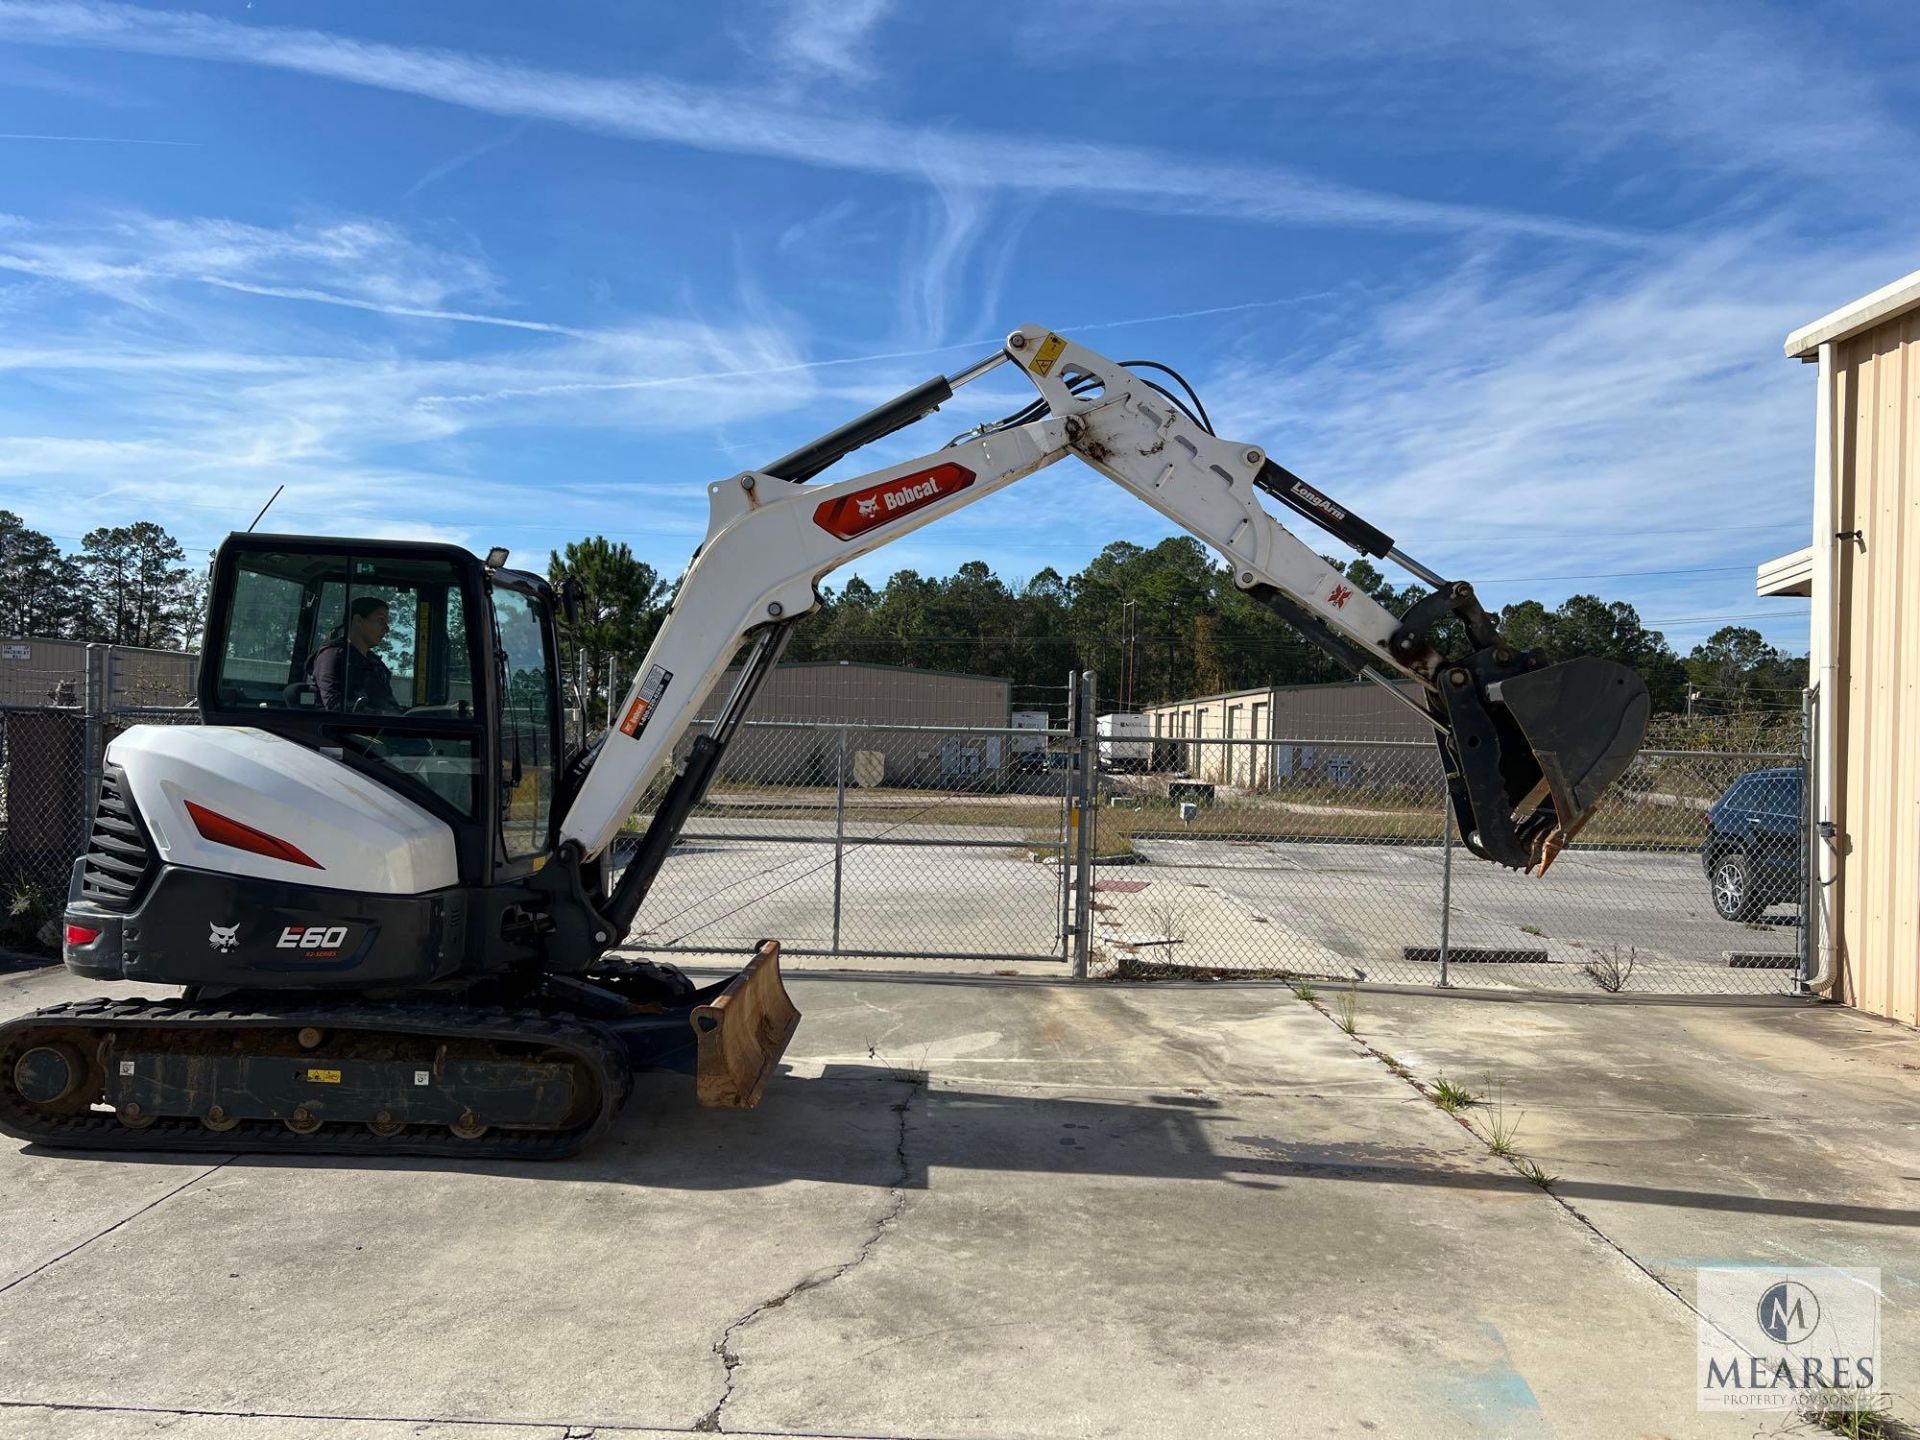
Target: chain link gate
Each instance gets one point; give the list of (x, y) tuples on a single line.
[(1332, 857), (866, 840)]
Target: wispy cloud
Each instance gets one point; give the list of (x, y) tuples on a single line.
[(830, 39), (321, 297), (1571, 423), (367, 264), (174, 392), (955, 219), (1708, 79), (743, 123), (466, 157), (102, 140)]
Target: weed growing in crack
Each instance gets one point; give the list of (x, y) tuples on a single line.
[(1452, 1098), (1610, 972), (914, 1075), (1503, 1127), (1531, 1169), (1303, 991), (1168, 922), (1345, 1010), (1853, 1415)]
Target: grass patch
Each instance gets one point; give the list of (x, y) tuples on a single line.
[(1610, 972), (1531, 1169), (1853, 1415), (1503, 1125), (1346, 1010), (914, 1075)]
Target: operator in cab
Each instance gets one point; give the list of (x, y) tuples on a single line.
[(345, 672)]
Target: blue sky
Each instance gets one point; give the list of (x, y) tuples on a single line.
[(1511, 281)]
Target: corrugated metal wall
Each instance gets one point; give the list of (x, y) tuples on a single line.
[(1328, 713), (1876, 402), (824, 692)]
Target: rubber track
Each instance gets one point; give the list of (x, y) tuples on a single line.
[(98, 1130)]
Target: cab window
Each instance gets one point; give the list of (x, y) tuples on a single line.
[(345, 634), (527, 692), (378, 646)]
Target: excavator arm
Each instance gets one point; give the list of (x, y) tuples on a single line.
[(1529, 746)]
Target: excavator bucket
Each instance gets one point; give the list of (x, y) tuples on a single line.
[(1533, 748), (743, 1031)]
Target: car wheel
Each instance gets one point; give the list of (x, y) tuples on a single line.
[(1732, 886)]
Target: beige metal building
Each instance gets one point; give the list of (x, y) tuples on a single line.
[(1312, 730), (904, 726), (1862, 573)]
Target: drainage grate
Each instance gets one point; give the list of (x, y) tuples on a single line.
[(1761, 960), (1477, 955)]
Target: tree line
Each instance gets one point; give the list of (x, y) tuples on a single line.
[(126, 584), (1157, 622)]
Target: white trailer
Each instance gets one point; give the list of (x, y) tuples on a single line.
[(1125, 742), (1028, 751)]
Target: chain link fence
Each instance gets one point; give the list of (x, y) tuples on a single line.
[(873, 840), (1322, 858), (1332, 859)]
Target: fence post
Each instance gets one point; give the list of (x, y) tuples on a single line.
[(1088, 762), (1063, 878), (1446, 883), (1810, 897), (95, 701), (839, 827)]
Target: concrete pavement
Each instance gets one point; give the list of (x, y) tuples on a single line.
[(974, 1206)]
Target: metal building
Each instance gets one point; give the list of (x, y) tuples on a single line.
[(1312, 729), (1862, 573), (904, 726), (35, 672)]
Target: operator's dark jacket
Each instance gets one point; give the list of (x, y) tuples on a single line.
[(344, 679)]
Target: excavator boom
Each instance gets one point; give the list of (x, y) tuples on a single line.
[(1529, 746)]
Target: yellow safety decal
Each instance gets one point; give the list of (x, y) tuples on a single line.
[(323, 1077), (1048, 352)]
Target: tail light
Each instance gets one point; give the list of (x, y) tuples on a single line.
[(81, 934)]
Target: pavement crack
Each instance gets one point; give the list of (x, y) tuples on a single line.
[(123, 1220), (1516, 1162), (725, 1349)]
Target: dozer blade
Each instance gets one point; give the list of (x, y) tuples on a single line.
[(1532, 749), (743, 1031)]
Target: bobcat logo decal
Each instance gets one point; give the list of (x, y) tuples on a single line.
[(867, 507), (222, 937)]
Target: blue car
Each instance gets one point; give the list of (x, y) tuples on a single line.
[(1754, 853)]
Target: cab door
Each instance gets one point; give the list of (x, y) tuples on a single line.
[(527, 749)]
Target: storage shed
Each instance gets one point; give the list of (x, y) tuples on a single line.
[(1862, 573)]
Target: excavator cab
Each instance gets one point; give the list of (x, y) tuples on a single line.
[(422, 667)]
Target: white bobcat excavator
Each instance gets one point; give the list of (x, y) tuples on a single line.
[(390, 894)]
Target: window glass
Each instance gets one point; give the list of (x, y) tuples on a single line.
[(526, 735), (1777, 795), (350, 634), (355, 638), (448, 765)]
